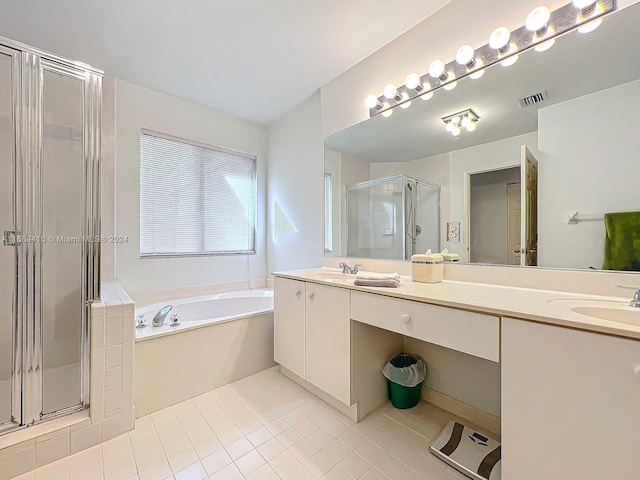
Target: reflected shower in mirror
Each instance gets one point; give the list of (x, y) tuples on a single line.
[(535, 181)]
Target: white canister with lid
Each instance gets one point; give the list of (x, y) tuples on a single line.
[(427, 267)]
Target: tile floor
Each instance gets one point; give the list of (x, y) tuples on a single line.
[(263, 427)]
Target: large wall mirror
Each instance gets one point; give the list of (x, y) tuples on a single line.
[(531, 185)]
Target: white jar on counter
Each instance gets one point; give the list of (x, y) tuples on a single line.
[(427, 267)]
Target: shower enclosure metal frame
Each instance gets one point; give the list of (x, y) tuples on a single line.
[(381, 181), (28, 69)]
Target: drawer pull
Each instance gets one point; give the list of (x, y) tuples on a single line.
[(297, 292), (406, 318), (310, 295)]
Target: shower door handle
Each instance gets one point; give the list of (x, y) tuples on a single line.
[(10, 238)]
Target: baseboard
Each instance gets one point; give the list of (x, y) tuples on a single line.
[(476, 416), (350, 412)]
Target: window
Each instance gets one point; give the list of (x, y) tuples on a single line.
[(328, 214), (195, 199)]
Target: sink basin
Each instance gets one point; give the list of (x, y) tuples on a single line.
[(628, 315), (331, 276)]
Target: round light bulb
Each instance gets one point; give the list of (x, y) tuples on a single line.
[(390, 91), (544, 46), (471, 127), (450, 126), (465, 54), (538, 19), (477, 74), (405, 96), (436, 69), (450, 86), (509, 61), (427, 96), (371, 101), (499, 39), (465, 122), (456, 131), (412, 81), (455, 120), (387, 113)]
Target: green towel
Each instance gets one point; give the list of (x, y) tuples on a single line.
[(622, 241)]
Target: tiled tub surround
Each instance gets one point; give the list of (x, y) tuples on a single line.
[(111, 410), (222, 337)]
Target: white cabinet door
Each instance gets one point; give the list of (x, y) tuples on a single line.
[(289, 324), (329, 340), (570, 404)]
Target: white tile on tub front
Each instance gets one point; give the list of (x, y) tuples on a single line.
[(52, 449), (97, 363), (127, 357), (114, 319), (113, 378), (113, 335), (97, 332), (113, 356), (85, 438)]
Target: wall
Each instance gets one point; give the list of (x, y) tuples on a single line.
[(578, 171), (489, 215), (295, 182), (138, 107)]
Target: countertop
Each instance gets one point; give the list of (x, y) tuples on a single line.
[(545, 306)]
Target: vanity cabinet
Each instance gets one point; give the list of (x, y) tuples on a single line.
[(570, 404), (312, 334), (289, 324)]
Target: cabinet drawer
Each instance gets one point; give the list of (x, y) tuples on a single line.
[(473, 333)]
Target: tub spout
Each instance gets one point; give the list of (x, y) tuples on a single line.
[(158, 320)]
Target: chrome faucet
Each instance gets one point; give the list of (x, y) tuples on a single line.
[(158, 320), (347, 269), (635, 301)]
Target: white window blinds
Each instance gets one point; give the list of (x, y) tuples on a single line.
[(195, 199)]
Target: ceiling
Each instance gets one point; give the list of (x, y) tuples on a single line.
[(577, 65), (254, 59)]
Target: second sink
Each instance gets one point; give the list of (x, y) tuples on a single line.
[(626, 315)]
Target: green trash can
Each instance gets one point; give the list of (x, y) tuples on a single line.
[(405, 374)]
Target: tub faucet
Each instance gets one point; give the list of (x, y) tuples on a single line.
[(347, 269), (158, 320), (635, 301)]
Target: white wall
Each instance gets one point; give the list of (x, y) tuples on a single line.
[(138, 107), (588, 161), (296, 182)]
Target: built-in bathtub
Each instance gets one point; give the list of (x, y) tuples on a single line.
[(221, 338)]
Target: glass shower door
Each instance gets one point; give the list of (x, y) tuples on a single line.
[(9, 406), (62, 177)]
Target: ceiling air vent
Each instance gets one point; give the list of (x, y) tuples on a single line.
[(533, 99)]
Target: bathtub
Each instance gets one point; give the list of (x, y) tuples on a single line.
[(195, 312), (221, 338)]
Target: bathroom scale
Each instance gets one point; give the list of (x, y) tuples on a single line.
[(472, 453)]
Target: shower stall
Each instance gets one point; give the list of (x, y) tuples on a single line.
[(50, 122), (392, 218)]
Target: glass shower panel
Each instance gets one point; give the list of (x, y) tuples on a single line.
[(63, 181), (427, 218), (7, 253), (375, 220)]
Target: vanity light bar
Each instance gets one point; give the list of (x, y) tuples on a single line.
[(584, 15)]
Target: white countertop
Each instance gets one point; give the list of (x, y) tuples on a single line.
[(554, 308)]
